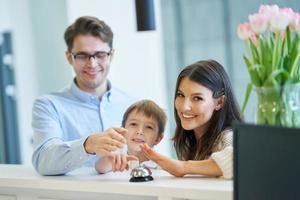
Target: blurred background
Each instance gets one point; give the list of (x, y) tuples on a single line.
[(146, 63)]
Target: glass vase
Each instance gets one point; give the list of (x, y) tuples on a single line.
[(291, 100), (279, 106)]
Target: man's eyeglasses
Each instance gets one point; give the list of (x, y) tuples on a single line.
[(83, 58)]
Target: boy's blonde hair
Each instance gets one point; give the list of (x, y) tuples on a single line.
[(150, 109)]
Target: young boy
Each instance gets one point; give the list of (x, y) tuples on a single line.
[(145, 122)]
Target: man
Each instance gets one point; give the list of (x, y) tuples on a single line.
[(68, 125)]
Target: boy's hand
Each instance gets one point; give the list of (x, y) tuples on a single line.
[(119, 162), (104, 142)]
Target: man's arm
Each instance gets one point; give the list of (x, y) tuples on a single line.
[(52, 155), (56, 157)]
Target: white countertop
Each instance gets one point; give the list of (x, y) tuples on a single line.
[(86, 180)]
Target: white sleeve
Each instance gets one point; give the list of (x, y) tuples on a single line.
[(224, 160), (227, 139)]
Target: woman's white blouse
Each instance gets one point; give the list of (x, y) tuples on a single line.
[(223, 154)]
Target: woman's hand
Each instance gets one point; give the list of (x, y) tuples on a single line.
[(174, 167)]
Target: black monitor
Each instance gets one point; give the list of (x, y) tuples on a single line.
[(266, 163)]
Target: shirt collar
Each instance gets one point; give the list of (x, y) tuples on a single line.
[(88, 97)]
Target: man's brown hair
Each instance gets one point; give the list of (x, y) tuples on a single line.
[(88, 25)]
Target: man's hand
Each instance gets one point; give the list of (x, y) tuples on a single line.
[(103, 143), (174, 167)]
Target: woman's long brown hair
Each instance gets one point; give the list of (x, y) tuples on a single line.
[(212, 75)]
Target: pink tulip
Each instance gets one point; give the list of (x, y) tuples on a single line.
[(282, 35), (253, 39), (295, 21), (268, 30), (258, 23), (289, 14), (280, 21), (244, 31), (297, 25), (288, 11), (268, 11)]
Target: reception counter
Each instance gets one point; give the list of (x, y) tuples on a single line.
[(23, 183)]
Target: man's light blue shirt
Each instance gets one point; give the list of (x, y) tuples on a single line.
[(63, 120)]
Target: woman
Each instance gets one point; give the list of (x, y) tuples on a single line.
[(205, 108)]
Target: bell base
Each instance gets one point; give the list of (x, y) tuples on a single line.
[(141, 179)]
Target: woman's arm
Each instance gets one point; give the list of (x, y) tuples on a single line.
[(174, 167), (178, 168), (204, 167)]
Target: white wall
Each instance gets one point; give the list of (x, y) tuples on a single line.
[(4, 15), (53, 69), (137, 67), (15, 17), (138, 63)]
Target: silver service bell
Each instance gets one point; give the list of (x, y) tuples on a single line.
[(141, 174)]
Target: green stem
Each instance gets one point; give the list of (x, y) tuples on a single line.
[(248, 44), (295, 64), (274, 57), (247, 95)]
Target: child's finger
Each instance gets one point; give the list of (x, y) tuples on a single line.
[(118, 162), (131, 157), (113, 163), (124, 162)]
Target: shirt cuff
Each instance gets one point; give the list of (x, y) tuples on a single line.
[(79, 150)]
